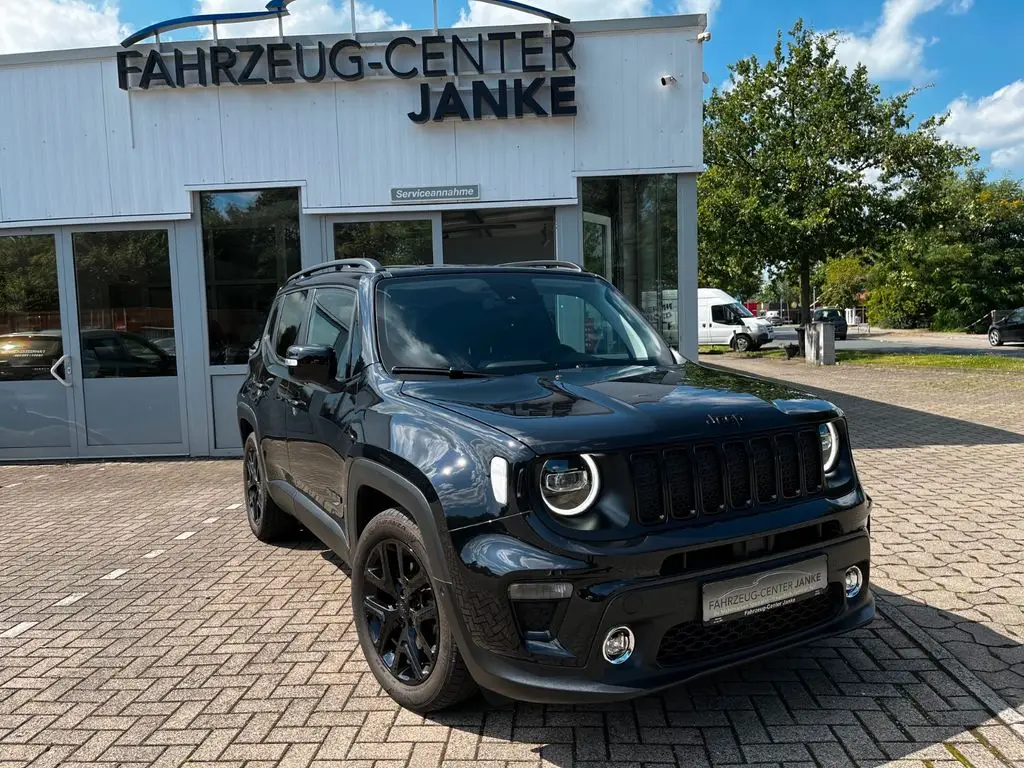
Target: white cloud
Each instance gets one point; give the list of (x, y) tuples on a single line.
[(486, 15), (891, 51), (51, 24), (993, 123), (308, 17), (710, 7), (960, 6)]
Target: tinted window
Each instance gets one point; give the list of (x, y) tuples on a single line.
[(509, 322), (719, 314), (290, 317)]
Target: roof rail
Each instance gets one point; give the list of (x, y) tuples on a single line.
[(358, 265), (546, 264)]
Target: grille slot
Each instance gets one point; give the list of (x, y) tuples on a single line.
[(764, 470), (684, 483), (709, 473), (650, 501), (693, 641), (679, 477), (810, 460), (738, 472), (789, 465)]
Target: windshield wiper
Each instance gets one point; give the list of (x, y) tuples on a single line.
[(451, 373)]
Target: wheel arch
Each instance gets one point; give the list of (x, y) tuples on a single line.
[(372, 488)]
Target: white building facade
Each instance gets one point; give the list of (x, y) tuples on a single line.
[(153, 199)]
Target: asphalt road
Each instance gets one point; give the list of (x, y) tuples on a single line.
[(898, 341)]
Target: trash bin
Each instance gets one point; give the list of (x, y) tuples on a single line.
[(800, 338)]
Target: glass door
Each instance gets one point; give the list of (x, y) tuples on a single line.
[(36, 399), (124, 346)]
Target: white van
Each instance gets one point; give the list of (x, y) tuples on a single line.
[(723, 320)]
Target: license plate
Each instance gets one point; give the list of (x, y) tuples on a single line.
[(760, 592)]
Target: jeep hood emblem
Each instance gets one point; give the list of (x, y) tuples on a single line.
[(724, 419)]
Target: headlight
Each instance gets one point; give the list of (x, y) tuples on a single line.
[(829, 445), (569, 486)]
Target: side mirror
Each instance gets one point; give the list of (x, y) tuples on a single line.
[(311, 364)]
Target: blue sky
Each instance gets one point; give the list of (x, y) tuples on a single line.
[(963, 54)]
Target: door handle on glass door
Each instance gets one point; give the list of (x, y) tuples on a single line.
[(63, 360)]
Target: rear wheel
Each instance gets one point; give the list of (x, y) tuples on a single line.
[(267, 521), (402, 627), (995, 338)]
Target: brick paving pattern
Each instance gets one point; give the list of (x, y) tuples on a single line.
[(125, 642)]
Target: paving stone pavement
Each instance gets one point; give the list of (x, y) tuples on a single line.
[(142, 624)]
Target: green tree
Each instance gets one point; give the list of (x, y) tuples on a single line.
[(843, 280), (808, 161)]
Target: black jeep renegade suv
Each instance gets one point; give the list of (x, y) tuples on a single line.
[(534, 493)]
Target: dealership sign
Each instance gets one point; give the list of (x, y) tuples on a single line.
[(514, 73), (450, 194)]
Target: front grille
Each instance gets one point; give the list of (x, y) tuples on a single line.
[(694, 641), (686, 482)]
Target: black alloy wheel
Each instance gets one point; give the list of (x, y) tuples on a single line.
[(401, 612), (254, 497)]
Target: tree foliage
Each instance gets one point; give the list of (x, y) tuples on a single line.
[(807, 161)]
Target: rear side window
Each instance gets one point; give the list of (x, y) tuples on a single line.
[(289, 322)]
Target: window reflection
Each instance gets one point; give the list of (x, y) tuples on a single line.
[(389, 242), (250, 247), (125, 316), (630, 229), (498, 235), (30, 336)]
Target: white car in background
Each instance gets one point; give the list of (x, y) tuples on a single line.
[(721, 319)]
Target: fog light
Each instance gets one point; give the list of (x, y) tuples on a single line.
[(854, 581), (618, 645)]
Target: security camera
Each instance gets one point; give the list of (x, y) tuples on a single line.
[(667, 80), (704, 37)]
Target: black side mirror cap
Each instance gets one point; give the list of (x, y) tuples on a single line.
[(311, 364)]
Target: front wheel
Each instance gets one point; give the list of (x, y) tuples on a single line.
[(995, 338), (742, 343), (402, 627)]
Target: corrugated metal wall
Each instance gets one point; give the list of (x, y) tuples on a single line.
[(73, 146)]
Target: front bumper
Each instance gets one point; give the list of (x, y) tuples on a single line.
[(663, 613)]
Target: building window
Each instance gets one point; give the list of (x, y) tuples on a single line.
[(125, 314), (250, 247), (30, 336), (389, 242), (498, 235), (630, 237)]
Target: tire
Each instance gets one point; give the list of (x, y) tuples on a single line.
[(742, 343), (995, 338), (393, 598), (268, 522)]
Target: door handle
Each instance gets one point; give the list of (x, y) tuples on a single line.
[(55, 366)]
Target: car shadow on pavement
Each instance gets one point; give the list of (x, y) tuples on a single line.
[(866, 698)]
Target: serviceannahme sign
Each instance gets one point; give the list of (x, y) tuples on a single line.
[(529, 72), (435, 194)]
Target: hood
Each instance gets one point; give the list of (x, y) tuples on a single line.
[(616, 407)]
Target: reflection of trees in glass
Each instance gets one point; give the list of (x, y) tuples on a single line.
[(28, 283), (643, 211), (389, 242), (250, 247), (123, 279)]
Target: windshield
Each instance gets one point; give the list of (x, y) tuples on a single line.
[(827, 314), (510, 322), (741, 310)]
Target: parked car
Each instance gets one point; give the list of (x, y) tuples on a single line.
[(29, 355), (835, 316), (535, 494), (1010, 327), (723, 320)]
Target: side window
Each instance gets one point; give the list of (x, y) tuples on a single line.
[(331, 318), (289, 322), (140, 351), (719, 314)]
